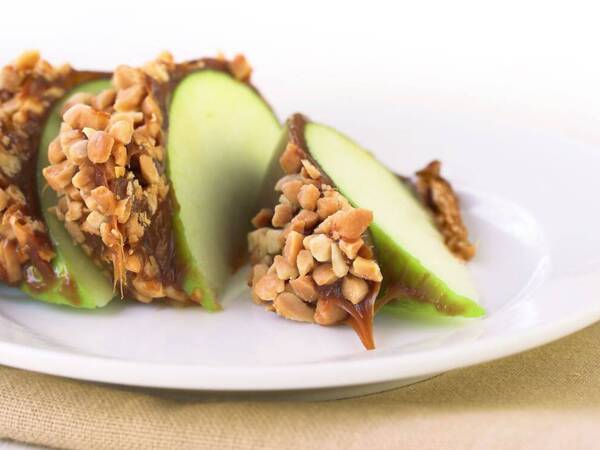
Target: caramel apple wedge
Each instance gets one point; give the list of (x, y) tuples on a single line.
[(35, 252), (339, 235), (155, 177)]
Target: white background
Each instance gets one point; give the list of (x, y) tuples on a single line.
[(524, 56)]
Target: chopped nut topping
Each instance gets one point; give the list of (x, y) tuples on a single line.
[(59, 175), (100, 147), (328, 313), (322, 245), (290, 160), (282, 215), (28, 89), (437, 194), (258, 271), (338, 262), (351, 224), (292, 307), (354, 289), (305, 262), (312, 171), (308, 196), (240, 68), (293, 245), (308, 218), (351, 248), (262, 218), (291, 190), (110, 160), (285, 270), (122, 131), (274, 241), (367, 269), (323, 274), (327, 206), (304, 287), (268, 286)]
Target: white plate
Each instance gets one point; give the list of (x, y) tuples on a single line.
[(528, 197)]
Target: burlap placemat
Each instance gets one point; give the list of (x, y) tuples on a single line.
[(545, 398)]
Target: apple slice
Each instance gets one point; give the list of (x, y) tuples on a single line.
[(31, 255), (79, 282), (410, 249), (221, 139), (160, 172), (329, 182)]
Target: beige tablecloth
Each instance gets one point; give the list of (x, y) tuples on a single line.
[(546, 398)]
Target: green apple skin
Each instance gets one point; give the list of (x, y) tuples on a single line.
[(78, 281), (410, 250), (222, 136)]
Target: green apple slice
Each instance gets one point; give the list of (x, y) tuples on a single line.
[(417, 267), (221, 139), (78, 281)]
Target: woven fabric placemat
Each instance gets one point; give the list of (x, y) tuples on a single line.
[(545, 398)]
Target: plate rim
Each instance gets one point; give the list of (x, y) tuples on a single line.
[(324, 375)]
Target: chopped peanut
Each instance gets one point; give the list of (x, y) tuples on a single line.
[(320, 247), (130, 98), (77, 152), (292, 307), (104, 99), (367, 269), (282, 215), (351, 248), (240, 68), (304, 287), (105, 200), (149, 171), (120, 156), (310, 168), (148, 288), (125, 76), (258, 271), (284, 269), (100, 147), (305, 262), (95, 219), (84, 179), (59, 175), (297, 226), (327, 206), (274, 241), (268, 287), (308, 218), (338, 262), (290, 159), (133, 263), (262, 218), (122, 131), (74, 211), (350, 225), (55, 152), (81, 116), (291, 190), (328, 313), (323, 274), (308, 196), (354, 289), (123, 210), (292, 247)]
